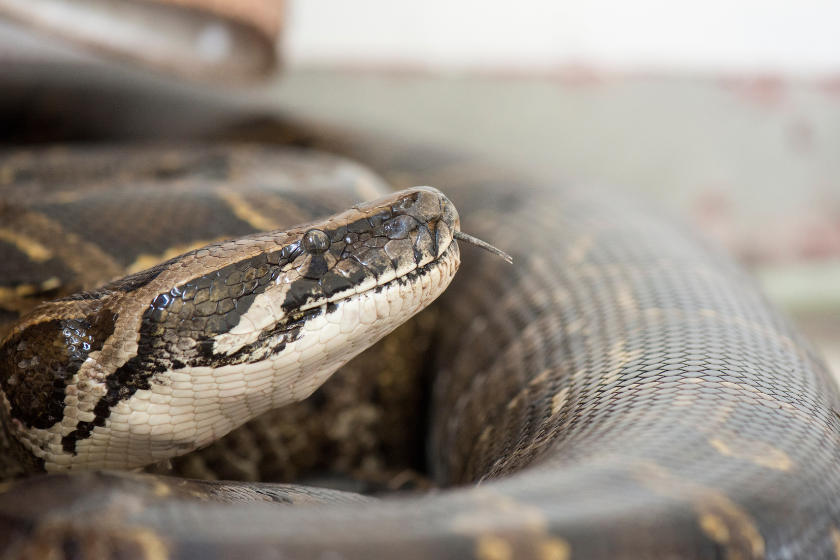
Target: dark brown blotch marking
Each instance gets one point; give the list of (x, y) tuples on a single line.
[(39, 362)]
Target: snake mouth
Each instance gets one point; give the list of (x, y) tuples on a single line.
[(378, 282), (413, 288), (423, 282), (373, 282)]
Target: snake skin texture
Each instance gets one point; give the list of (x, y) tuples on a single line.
[(623, 392)]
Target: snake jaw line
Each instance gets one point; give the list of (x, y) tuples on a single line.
[(461, 236)]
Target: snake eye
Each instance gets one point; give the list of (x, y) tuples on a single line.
[(316, 241)]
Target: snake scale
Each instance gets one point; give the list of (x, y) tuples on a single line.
[(622, 391)]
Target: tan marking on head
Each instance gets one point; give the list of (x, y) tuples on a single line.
[(757, 452)]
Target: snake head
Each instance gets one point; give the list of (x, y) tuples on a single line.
[(169, 359)]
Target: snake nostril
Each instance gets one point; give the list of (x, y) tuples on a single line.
[(316, 241)]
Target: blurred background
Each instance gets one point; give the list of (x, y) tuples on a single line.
[(726, 113)]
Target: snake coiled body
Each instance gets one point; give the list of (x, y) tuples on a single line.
[(623, 391)]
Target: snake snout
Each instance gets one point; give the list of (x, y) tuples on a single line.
[(446, 225), (422, 214)]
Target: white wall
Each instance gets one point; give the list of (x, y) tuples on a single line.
[(777, 36), (791, 37)]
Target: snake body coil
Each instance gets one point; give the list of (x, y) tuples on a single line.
[(622, 392)]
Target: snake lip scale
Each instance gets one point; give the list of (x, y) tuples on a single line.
[(169, 359)]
